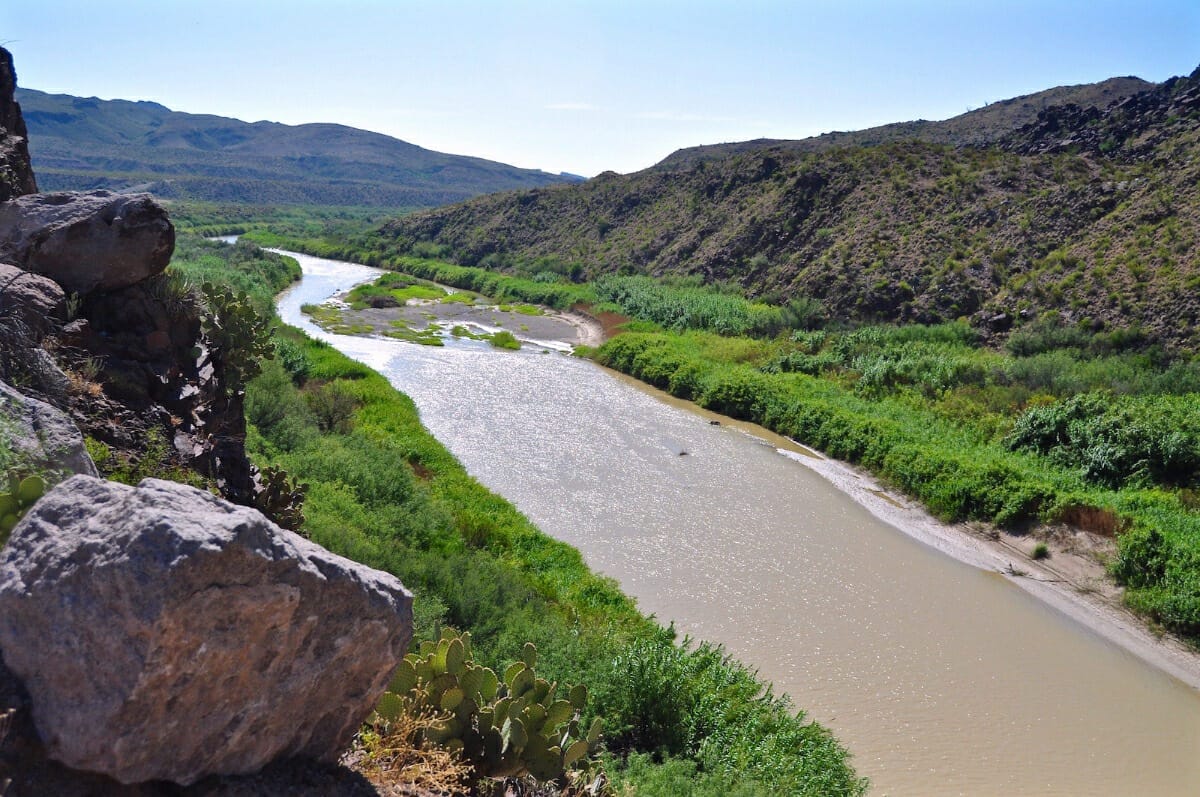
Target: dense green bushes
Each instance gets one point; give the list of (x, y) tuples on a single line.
[(695, 703), (241, 267), (687, 307), (560, 295), (1118, 440)]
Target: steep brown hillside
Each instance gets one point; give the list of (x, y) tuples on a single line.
[(1090, 212)]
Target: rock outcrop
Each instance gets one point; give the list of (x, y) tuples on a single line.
[(191, 636), (30, 304), (1128, 129), (16, 173), (41, 437), (90, 241)]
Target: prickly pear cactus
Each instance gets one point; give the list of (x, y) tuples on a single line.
[(510, 727), (21, 494)]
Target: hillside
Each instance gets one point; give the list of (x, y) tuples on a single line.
[(79, 143), (1062, 201)]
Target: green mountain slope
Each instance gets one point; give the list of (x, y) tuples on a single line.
[(81, 143), (1086, 207)]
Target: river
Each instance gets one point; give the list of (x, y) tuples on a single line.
[(941, 678)]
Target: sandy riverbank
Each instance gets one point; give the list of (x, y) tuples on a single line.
[(1072, 579)]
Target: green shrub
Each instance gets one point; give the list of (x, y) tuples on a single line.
[(239, 332), (21, 494), (504, 340), (686, 307), (697, 703), (332, 407), (1115, 441)]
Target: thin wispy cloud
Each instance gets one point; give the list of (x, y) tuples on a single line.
[(677, 116), (571, 106)]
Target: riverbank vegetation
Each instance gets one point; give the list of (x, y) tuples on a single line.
[(1106, 441), (679, 717), (1096, 427)]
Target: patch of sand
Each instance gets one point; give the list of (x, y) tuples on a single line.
[(552, 327)]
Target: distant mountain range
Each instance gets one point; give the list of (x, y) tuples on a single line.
[(80, 143), (1083, 200)]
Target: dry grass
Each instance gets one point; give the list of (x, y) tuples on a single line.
[(1089, 518), (80, 385), (390, 757)]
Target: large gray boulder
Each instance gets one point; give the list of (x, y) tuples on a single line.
[(30, 304), (87, 241), (163, 633), (41, 437)]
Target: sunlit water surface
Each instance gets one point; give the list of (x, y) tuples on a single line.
[(939, 677)]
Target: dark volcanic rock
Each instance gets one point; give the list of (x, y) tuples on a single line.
[(1128, 128), (92, 241), (16, 173), (191, 636)]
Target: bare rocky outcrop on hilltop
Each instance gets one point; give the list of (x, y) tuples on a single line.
[(1131, 128), (980, 127)]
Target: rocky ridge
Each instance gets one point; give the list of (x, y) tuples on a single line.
[(1130, 129), (981, 127)]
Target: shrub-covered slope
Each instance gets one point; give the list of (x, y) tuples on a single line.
[(1092, 212)]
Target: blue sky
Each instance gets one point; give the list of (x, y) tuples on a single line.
[(589, 86)]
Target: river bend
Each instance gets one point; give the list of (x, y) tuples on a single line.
[(940, 677)]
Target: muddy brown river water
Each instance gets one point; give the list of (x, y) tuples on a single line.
[(941, 678)]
